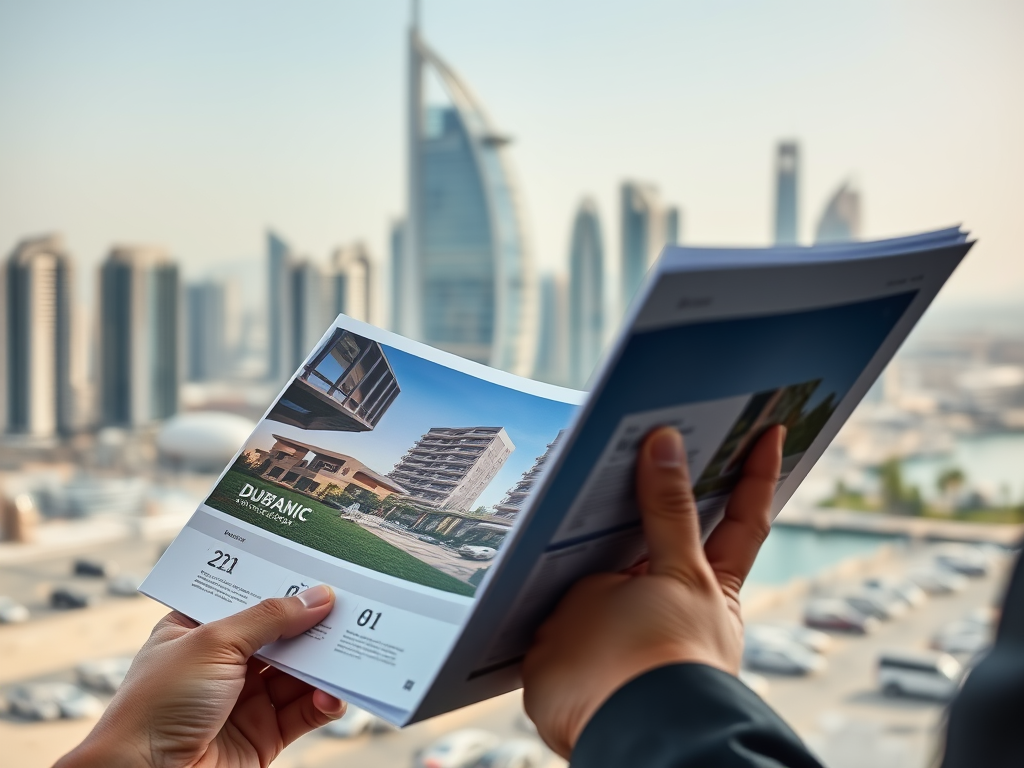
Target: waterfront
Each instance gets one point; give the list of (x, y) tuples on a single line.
[(791, 553)]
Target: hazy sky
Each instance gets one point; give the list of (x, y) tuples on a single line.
[(198, 124)]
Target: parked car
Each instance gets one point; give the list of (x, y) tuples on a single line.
[(923, 674), (831, 613), (100, 568), (515, 753), (787, 658), (967, 560), (939, 581), (900, 589), (459, 749), (125, 585), (356, 722), (755, 682), (812, 639), (50, 701), (67, 598), (880, 605), (962, 637), (471, 552), (104, 674), (427, 539), (11, 611)]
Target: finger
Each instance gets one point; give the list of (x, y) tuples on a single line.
[(308, 713), (283, 689), (249, 630), (736, 540), (667, 506)]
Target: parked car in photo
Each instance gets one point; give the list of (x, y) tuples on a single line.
[(51, 701), (939, 581), (967, 560), (921, 674), (835, 614), (900, 589), (11, 611), (812, 639), (103, 569), (785, 658), (125, 585), (356, 722), (882, 606), (67, 598), (514, 753), (471, 552), (459, 749), (104, 674), (427, 539)]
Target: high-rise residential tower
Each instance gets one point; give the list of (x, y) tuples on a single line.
[(205, 321), (586, 294), (140, 336), (280, 333), (448, 468), (787, 193), (510, 506), (552, 363), (840, 221), (643, 234), (38, 318), (465, 282), (352, 282)]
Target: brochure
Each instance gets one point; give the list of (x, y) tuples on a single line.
[(450, 505)]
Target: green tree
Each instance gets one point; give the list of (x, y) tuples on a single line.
[(951, 480), (897, 498)]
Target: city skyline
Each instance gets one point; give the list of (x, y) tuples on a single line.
[(83, 160)]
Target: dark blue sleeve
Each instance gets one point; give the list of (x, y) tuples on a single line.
[(688, 716)]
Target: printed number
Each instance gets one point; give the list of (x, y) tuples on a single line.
[(222, 561), (366, 616)]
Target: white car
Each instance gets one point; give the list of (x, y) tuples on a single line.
[(471, 552), (939, 581), (356, 722), (51, 701), (515, 753), (811, 639), (901, 589), (104, 674), (964, 559), (11, 611), (927, 675), (787, 658), (125, 585), (459, 749)]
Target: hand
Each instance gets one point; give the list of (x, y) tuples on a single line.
[(683, 607), (195, 697)]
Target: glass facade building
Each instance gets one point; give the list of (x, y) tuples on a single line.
[(787, 189), (552, 363), (840, 221), (205, 320), (347, 386), (643, 235), (280, 333), (465, 279), (586, 294)]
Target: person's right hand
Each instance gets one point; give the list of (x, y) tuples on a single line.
[(683, 607)]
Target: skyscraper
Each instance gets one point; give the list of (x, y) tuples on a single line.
[(280, 333), (38, 310), (205, 319), (140, 338), (552, 363), (510, 506), (352, 282), (787, 198), (840, 221), (673, 226), (586, 294), (309, 310), (448, 468), (398, 254), (643, 234), (466, 280)]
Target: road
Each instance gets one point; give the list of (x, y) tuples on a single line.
[(432, 554)]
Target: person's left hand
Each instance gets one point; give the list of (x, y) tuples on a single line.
[(195, 698)]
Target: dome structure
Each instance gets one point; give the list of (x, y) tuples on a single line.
[(202, 440)]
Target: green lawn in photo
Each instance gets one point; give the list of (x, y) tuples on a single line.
[(325, 532)]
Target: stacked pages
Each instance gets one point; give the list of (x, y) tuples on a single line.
[(451, 505)]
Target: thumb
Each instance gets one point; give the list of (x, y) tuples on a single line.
[(667, 506), (272, 619)]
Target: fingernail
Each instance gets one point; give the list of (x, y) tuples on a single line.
[(667, 448), (316, 596)]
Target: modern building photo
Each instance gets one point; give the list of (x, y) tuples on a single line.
[(347, 386)]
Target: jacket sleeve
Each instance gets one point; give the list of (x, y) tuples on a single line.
[(688, 716)]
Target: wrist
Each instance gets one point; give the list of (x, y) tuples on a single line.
[(104, 750)]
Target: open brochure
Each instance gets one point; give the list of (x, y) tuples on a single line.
[(451, 505)]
